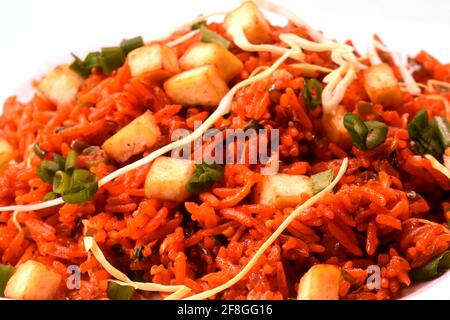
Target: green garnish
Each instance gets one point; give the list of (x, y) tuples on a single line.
[(6, 273), (209, 36), (128, 45), (71, 161), (74, 185), (119, 292), (365, 135), (83, 186), (253, 124), (432, 269), (442, 127), (426, 135), (51, 196), (108, 59), (322, 180), (46, 171), (312, 92), (198, 25), (79, 67), (111, 58), (61, 182), (204, 177), (137, 255), (38, 151)]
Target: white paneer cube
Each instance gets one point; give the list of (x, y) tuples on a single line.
[(201, 54), (33, 281), (155, 59), (282, 190), (6, 152), (252, 21), (321, 282), (382, 86), (333, 126), (138, 136), (167, 179), (61, 85), (201, 86)]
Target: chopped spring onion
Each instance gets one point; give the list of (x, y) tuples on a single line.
[(71, 161), (128, 45), (79, 67), (442, 127), (51, 196), (92, 60), (38, 151), (119, 292), (61, 182), (253, 124), (204, 177), (137, 254), (365, 135), (377, 134), (6, 273), (111, 58), (426, 138), (211, 37), (313, 93), (357, 129), (199, 25), (46, 171), (432, 269), (83, 186), (322, 180), (60, 161)]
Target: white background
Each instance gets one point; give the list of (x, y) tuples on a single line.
[(34, 35)]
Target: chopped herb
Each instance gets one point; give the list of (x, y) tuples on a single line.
[(71, 161), (198, 25), (442, 127), (61, 182), (38, 151), (357, 129), (137, 255), (365, 135), (92, 60), (83, 186), (79, 67), (204, 177), (425, 136), (60, 161), (128, 45), (432, 269), (377, 134), (6, 273), (322, 180), (46, 171), (209, 36), (51, 196), (119, 292), (312, 92), (253, 124), (111, 59)]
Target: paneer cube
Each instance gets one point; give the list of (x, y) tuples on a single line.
[(321, 282), (61, 85), (201, 54), (153, 61), (167, 179), (201, 86), (252, 21), (138, 136), (33, 281), (333, 126), (282, 190), (382, 86), (6, 152)]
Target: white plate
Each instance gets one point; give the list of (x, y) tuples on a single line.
[(36, 35)]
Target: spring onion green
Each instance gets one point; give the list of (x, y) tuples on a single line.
[(432, 269), (322, 180), (204, 177), (119, 292), (209, 36), (128, 45), (365, 135), (312, 92)]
